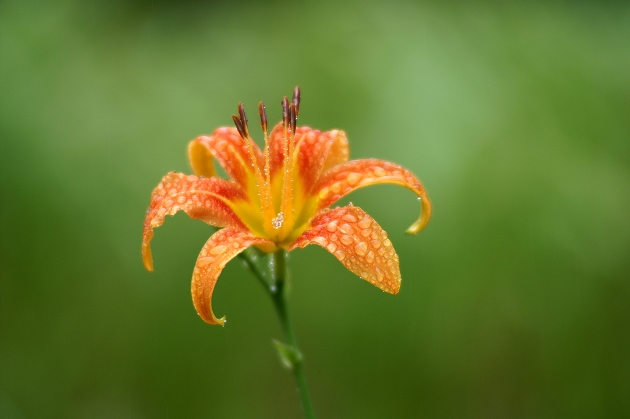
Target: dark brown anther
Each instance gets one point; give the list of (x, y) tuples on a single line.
[(263, 117), (292, 116), (296, 100), (239, 126), (285, 112), (241, 112)]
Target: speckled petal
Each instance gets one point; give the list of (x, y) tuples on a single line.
[(224, 245), (276, 147), (316, 151), (230, 150), (348, 177), (209, 199), (359, 243), (313, 153)]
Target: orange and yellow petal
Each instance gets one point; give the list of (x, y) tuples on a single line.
[(276, 146), (200, 159), (339, 151), (231, 151), (222, 246), (348, 177), (313, 153), (209, 199), (316, 152), (359, 243)]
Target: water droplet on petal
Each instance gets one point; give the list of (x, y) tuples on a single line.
[(345, 239), (349, 218), (347, 228), (361, 248), (201, 262), (217, 250), (278, 220), (353, 178), (320, 240)]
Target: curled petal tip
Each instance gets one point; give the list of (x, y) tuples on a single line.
[(147, 257), (148, 264), (200, 158), (425, 215)]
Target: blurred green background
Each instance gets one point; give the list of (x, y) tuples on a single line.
[(515, 300)]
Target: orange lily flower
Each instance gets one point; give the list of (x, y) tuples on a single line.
[(280, 198)]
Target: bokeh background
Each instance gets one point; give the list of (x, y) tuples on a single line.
[(515, 300)]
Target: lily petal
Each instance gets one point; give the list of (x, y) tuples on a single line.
[(314, 151), (230, 150), (208, 199), (359, 243), (348, 177), (200, 159), (222, 246), (276, 146)]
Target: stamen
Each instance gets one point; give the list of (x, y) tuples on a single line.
[(292, 117), (262, 182), (285, 112), (241, 112), (266, 169), (296, 100), (278, 220), (239, 126), (263, 118), (286, 205)]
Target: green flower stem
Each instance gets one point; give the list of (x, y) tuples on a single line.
[(291, 353), (273, 276)]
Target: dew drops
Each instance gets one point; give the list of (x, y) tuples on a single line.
[(369, 258), (349, 218), (217, 250), (366, 232), (365, 222), (345, 239), (339, 254), (181, 199), (347, 228), (278, 220), (331, 247), (320, 240), (379, 171), (387, 243), (353, 178), (201, 262), (376, 243), (361, 248), (331, 226)]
